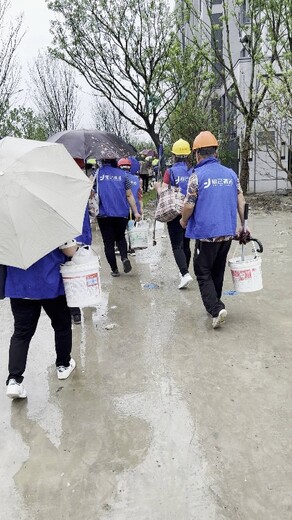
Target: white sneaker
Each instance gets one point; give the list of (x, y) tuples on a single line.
[(220, 319), (15, 390), (64, 372), (185, 281)]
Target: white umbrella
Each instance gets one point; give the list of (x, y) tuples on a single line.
[(43, 196)]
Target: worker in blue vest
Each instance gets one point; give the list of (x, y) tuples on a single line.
[(30, 290), (126, 164), (115, 196), (178, 175), (210, 216)]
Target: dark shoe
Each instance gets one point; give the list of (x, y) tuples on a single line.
[(115, 273), (132, 252), (127, 265), (76, 318)]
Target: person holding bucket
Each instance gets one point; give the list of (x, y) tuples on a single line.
[(30, 290), (178, 175), (85, 239), (213, 197), (136, 187), (115, 196)]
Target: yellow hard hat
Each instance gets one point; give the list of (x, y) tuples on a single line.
[(204, 140), (181, 147)]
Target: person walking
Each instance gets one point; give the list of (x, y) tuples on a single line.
[(125, 164), (213, 197), (178, 175), (30, 290), (115, 196), (144, 173)]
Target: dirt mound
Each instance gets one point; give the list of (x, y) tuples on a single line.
[(269, 202)]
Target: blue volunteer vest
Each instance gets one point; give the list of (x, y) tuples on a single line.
[(135, 186), (42, 280), (179, 176), (215, 213), (112, 192), (86, 236)]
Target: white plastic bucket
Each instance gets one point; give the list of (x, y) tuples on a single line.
[(81, 283), (138, 235), (246, 274)]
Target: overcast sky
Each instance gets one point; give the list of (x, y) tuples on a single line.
[(36, 24)]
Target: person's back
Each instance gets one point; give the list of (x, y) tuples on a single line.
[(179, 175), (112, 192), (216, 205), (209, 215), (115, 197), (41, 280)]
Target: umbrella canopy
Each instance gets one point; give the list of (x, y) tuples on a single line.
[(43, 196), (149, 153), (83, 144)]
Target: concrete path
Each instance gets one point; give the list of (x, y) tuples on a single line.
[(164, 418)]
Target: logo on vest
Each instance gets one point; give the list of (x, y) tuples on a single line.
[(110, 178), (217, 182)]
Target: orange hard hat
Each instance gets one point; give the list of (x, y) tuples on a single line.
[(124, 162), (204, 140)]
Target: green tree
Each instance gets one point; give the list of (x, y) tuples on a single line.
[(23, 122), (275, 120), (243, 87), (126, 50)]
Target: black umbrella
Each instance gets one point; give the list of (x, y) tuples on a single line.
[(82, 144)]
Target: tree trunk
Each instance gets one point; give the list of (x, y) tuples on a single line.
[(244, 170), (244, 154), (154, 136)]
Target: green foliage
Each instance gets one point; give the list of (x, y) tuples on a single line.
[(148, 197), (128, 51), (22, 122)]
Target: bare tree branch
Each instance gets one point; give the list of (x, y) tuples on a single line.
[(55, 93)]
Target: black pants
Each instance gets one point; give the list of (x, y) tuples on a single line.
[(180, 245), (209, 267), (26, 315), (145, 182), (113, 230)]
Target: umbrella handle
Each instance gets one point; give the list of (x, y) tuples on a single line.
[(252, 239), (245, 216), (260, 245)]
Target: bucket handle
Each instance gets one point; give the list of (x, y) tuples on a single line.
[(256, 251)]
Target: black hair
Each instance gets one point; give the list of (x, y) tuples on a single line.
[(111, 162), (209, 150)]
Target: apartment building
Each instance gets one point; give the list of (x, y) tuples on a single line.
[(266, 173)]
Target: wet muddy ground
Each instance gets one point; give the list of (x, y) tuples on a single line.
[(164, 418)]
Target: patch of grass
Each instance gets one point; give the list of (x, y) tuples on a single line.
[(148, 197)]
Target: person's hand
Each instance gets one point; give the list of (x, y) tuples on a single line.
[(183, 223), (243, 235), (137, 217)]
